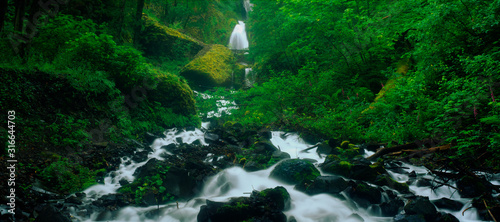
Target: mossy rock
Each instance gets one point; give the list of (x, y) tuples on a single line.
[(160, 40), (212, 68), (334, 165), (386, 180), (173, 92), (294, 171)]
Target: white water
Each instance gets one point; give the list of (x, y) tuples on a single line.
[(249, 78), (239, 40), (235, 182)]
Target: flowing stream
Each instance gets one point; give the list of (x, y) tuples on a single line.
[(236, 182)]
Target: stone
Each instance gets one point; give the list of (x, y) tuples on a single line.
[(392, 207), (364, 194), (49, 213), (266, 205), (211, 138), (293, 171), (469, 187), (422, 206), (323, 184), (448, 204)]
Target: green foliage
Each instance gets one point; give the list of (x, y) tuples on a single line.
[(68, 177)]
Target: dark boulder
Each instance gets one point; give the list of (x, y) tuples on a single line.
[(293, 171), (49, 213), (365, 195), (446, 217), (323, 184), (266, 205), (421, 206), (392, 207), (386, 180), (448, 204), (469, 187), (265, 147), (140, 156), (211, 138), (409, 218)]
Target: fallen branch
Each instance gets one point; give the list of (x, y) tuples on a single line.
[(489, 211), (310, 148), (422, 151), (386, 150)]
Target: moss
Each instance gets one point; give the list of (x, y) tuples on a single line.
[(173, 92), (344, 145), (213, 68), (160, 40)]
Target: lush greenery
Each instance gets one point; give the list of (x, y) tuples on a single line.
[(85, 75), (433, 63)]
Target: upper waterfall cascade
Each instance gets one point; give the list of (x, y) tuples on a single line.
[(239, 40)]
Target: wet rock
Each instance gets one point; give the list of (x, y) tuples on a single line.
[(147, 169), (123, 182), (386, 180), (365, 195), (265, 134), (327, 149), (412, 174), (112, 201), (362, 171), (391, 207), (409, 218), (73, 200), (170, 147), (469, 187), (140, 156), (421, 206), (294, 170), (446, 217), (445, 203), (149, 138), (49, 213), (266, 205), (278, 155), (179, 140), (265, 147), (323, 184), (423, 183), (355, 218)]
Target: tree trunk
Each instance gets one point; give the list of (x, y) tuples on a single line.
[(19, 24), (3, 10), (138, 19)]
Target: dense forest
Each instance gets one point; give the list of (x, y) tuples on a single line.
[(84, 81)]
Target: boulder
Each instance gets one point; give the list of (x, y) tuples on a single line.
[(323, 184), (174, 93), (49, 213), (469, 187), (421, 206), (160, 40), (365, 195), (266, 205), (212, 67), (448, 204), (293, 171), (140, 156), (211, 138), (386, 180), (265, 147), (392, 207)]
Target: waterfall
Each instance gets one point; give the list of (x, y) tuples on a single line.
[(249, 78), (248, 6), (238, 40)]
